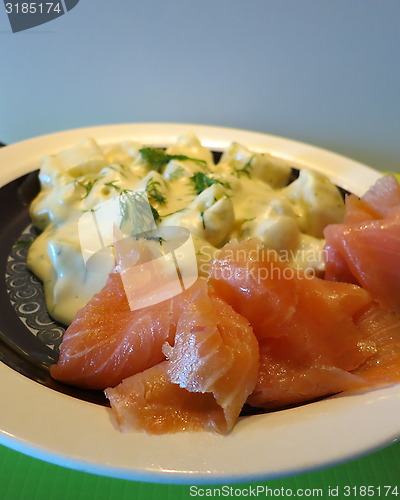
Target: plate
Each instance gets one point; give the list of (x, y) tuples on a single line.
[(39, 420)]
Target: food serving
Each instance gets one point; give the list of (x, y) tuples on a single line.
[(259, 326), (244, 194), (266, 445)]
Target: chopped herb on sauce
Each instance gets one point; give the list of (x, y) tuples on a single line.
[(203, 181), (157, 158)]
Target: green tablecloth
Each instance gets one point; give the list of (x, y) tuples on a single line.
[(25, 478)]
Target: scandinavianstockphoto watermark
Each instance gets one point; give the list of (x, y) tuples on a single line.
[(258, 274), (24, 15), (278, 265)]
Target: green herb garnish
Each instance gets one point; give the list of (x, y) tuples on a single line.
[(160, 239), (202, 219), (155, 213), (112, 184), (136, 212), (88, 186), (175, 212), (203, 181), (246, 169), (157, 158), (154, 193)]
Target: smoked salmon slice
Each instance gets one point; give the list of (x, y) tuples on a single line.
[(364, 249), (283, 383), (336, 267), (371, 251), (358, 210), (383, 196), (210, 370), (381, 329), (108, 342), (149, 401), (309, 341)]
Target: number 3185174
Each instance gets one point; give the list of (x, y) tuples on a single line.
[(33, 8)]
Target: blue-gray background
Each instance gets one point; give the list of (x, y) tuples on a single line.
[(325, 72)]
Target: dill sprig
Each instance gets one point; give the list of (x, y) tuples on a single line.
[(172, 213), (246, 169), (155, 213), (153, 192), (159, 239), (203, 181), (136, 212), (202, 220), (112, 184), (88, 186), (157, 158)]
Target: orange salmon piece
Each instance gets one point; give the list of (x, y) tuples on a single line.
[(358, 210), (283, 383), (305, 326), (336, 267), (314, 316), (364, 249), (150, 402), (371, 251), (381, 330), (108, 342), (383, 196), (210, 371)]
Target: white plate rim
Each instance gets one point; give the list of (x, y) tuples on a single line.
[(58, 428)]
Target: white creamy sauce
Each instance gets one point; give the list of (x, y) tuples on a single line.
[(245, 194)]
